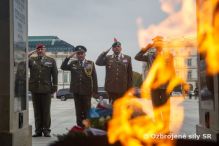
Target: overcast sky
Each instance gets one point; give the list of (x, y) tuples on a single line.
[(94, 23)]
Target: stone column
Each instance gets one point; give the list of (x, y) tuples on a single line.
[(14, 123), (208, 126)]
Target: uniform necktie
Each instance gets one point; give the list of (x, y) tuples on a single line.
[(117, 57), (81, 63)]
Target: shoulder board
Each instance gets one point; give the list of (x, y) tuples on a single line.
[(49, 58), (74, 61), (89, 61)]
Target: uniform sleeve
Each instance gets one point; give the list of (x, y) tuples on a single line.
[(65, 65), (141, 57), (54, 74), (94, 77), (101, 60), (130, 73), (30, 62)]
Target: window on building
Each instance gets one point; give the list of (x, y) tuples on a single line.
[(189, 62), (189, 75), (189, 53)]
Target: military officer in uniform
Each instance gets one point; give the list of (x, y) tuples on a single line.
[(159, 94), (83, 82), (42, 83), (118, 71)]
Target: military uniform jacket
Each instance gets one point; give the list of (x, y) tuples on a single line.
[(43, 74), (83, 78), (150, 57), (118, 72)]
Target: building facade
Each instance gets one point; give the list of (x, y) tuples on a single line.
[(186, 66)]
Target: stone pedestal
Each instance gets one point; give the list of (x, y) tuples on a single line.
[(14, 123), (208, 126)]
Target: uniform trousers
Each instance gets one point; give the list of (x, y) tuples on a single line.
[(41, 106), (82, 106), (161, 112)]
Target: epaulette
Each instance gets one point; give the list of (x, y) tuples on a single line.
[(74, 61), (50, 58), (89, 61)]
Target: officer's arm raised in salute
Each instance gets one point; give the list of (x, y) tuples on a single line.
[(140, 56), (65, 65), (31, 53), (101, 60)]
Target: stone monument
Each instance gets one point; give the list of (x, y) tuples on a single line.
[(14, 124), (208, 126)]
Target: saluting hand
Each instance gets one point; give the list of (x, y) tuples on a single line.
[(72, 54), (147, 47), (31, 53)]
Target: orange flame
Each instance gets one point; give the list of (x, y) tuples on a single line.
[(133, 126), (208, 33), (160, 73), (131, 123), (180, 33)]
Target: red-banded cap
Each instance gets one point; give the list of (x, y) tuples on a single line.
[(40, 46)]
